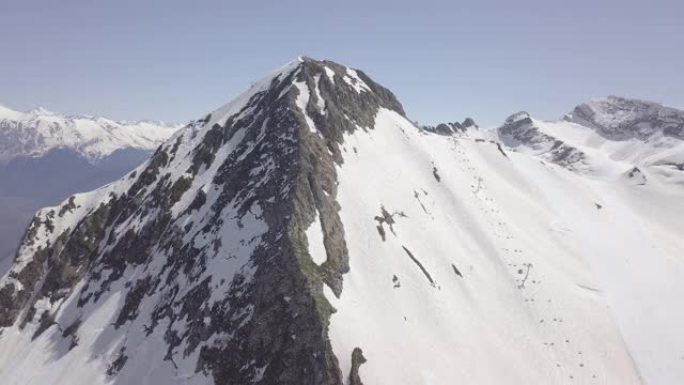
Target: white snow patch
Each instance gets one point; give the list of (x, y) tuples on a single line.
[(330, 73), (320, 102), (314, 236), (352, 78), (302, 101)]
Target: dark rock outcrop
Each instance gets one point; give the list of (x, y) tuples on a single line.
[(520, 131), (453, 128)]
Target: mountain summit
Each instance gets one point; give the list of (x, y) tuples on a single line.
[(621, 118), (308, 233)]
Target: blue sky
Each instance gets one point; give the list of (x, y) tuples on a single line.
[(176, 60)]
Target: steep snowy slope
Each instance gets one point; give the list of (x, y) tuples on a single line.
[(476, 279), (45, 157), (309, 233)]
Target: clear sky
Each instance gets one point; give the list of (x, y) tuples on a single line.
[(176, 60)]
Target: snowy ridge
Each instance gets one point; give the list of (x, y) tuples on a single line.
[(523, 134), (38, 131), (606, 137), (467, 128)]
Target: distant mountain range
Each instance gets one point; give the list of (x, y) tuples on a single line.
[(37, 132), (605, 135)]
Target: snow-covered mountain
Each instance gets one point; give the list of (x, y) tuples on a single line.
[(308, 233), (45, 157)]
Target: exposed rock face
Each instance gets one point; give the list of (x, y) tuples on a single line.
[(453, 128), (619, 118), (206, 241), (357, 360), (519, 130)]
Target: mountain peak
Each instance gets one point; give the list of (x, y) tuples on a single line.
[(518, 117), (324, 80), (619, 118), (330, 99)]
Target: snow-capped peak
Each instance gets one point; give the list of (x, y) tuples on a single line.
[(619, 118)]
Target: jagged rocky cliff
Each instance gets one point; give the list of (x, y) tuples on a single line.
[(519, 131), (309, 233)]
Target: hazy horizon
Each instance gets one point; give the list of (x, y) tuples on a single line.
[(174, 62)]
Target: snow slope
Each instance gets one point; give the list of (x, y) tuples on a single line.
[(487, 219)]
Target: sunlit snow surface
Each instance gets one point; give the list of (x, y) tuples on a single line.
[(501, 221)]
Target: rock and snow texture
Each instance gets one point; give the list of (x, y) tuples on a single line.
[(45, 157), (604, 137), (309, 233)]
